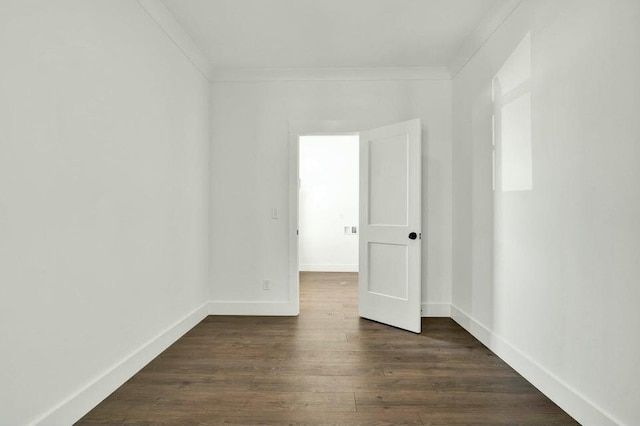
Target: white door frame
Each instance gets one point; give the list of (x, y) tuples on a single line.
[(297, 129)]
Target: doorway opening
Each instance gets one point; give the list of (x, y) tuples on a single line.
[(389, 219), (328, 219)]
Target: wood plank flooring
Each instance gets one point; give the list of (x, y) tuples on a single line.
[(326, 367)]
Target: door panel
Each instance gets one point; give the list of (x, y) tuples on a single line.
[(385, 281), (390, 210), (388, 181)]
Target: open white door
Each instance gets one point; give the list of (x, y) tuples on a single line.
[(390, 222)]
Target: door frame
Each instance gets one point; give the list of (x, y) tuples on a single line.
[(297, 129)]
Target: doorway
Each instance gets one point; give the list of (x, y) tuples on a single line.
[(328, 205), (389, 218)]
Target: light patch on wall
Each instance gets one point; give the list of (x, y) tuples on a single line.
[(513, 157)]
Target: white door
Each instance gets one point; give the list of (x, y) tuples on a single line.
[(390, 222)]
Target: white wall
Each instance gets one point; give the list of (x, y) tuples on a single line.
[(328, 202), (549, 276), (103, 194), (250, 167)]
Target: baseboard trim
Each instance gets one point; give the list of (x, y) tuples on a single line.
[(289, 309), (232, 307), (436, 310), (582, 409), (329, 268), (80, 403)]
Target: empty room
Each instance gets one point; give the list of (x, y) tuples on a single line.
[(319, 212)]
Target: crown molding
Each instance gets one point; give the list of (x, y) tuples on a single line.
[(329, 74), (482, 33), (166, 21)]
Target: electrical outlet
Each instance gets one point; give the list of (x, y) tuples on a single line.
[(266, 285)]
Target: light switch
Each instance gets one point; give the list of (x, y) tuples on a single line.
[(274, 214), (350, 230)]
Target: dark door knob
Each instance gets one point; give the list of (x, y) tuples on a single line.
[(413, 236)]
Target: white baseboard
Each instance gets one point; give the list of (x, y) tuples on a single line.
[(290, 309), (436, 310), (77, 405), (329, 268), (582, 409), (253, 308)]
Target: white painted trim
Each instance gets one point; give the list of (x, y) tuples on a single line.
[(326, 127), (299, 128), (436, 310), (585, 411), (78, 404), (233, 307), (329, 268), (330, 74), (72, 408), (482, 33), (165, 20), (487, 27), (294, 223)]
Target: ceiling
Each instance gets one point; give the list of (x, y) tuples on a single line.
[(248, 34)]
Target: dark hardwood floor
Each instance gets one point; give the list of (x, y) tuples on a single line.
[(326, 367)]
